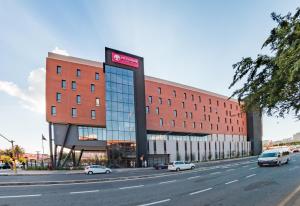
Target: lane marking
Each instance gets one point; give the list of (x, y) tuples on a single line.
[(200, 191), (136, 186), (194, 177), (154, 203), (227, 183), (82, 192), (250, 175), (230, 170), (167, 182), (253, 168), (246, 166), (215, 173), (18, 196)]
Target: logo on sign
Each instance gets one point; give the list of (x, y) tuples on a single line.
[(125, 60)]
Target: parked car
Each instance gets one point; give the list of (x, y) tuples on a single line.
[(160, 166), (274, 157), (295, 150), (94, 169), (4, 166), (180, 165)]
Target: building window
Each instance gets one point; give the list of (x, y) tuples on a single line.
[(209, 100), (58, 70), (192, 97), (92, 88), (174, 93), (78, 72), (210, 110), (229, 113), (184, 95), (93, 114), (199, 99), (63, 84), (160, 100), (227, 127), (203, 108), (169, 102), (194, 125), (230, 120), (150, 99), (186, 115), (97, 102), (159, 90), (230, 106), (154, 146), (175, 113), (217, 102), (225, 120), (191, 115), (226, 113), (177, 146), (211, 126), (218, 119), (53, 110), (157, 110), (165, 146), (184, 124), (209, 118), (201, 125), (161, 122), (74, 112), (237, 122), (236, 107), (195, 106), (224, 104), (217, 127), (78, 99), (147, 110), (204, 117), (173, 123), (58, 97), (97, 76), (182, 104), (73, 85), (232, 128)]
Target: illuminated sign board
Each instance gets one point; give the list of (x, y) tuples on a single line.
[(125, 60)]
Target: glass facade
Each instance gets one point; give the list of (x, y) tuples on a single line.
[(176, 137), (91, 133), (120, 116)]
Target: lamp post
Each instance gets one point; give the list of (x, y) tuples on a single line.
[(12, 150)]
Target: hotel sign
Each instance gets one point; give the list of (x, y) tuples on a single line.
[(125, 60)]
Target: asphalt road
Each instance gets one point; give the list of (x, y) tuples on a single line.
[(236, 184)]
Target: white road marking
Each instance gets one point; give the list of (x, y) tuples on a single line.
[(227, 183), (215, 173), (167, 182), (194, 177), (20, 196), (136, 186), (82, 192), (230, 170), (250, 175), (246, 166), (154, 203), (200, 191), (253, 168)]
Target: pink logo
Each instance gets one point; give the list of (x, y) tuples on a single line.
[(125, 60)]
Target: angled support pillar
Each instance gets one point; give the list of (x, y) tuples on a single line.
[(63, 145), (68, 156), (50, 145), (79, 159), (73, 158), (55, 156)]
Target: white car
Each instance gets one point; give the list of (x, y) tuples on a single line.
[(180, 165), (274, 157), (94, 169)]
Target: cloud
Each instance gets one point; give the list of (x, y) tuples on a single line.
[(60, 51), (33, 97)]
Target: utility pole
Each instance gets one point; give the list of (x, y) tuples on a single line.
[(12, 151)]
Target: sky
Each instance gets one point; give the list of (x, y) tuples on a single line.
[(190, 42)]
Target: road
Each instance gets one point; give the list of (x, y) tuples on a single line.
[(232, 184)]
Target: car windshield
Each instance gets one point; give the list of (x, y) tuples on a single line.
[(272, 154)]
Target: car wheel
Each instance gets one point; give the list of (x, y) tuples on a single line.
[(192, 167), (177, 169), (90, 173), (107, 172), (279, 163)]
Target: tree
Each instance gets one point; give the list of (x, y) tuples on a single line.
[(273, 81)]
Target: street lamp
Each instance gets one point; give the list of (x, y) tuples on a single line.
[(12, 150)]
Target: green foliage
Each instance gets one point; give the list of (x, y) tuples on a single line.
[(273, 81)]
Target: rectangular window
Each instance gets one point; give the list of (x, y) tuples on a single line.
[(53, 110), (97, 76), (194, 124), (58, 70), (230, 106), (224, 104), (210, 110), (192, 97), (195, 106), (186, 115), (184, 124), (78, 72), (218, 119), (150, 99), (92, 88), (74, 112), (209, 118), (93, 114), (169, 102), (211, 126), (191, 115), (203, 108), (78, 99), (159, 90), (157, 110), (182, 104), (199, 98), (217, 127), (63, 84), (160, 100), (161, 122), (58, 97), (97, 102), (147, 109), (174, 93), (217, 102), (73, 85), (184, 95), (201, 125), (154, 146), (177, 146), (173, 123), (175, 113), (165, 146), (209, 100)]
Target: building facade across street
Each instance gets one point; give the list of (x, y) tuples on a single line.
[(114, 109)]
